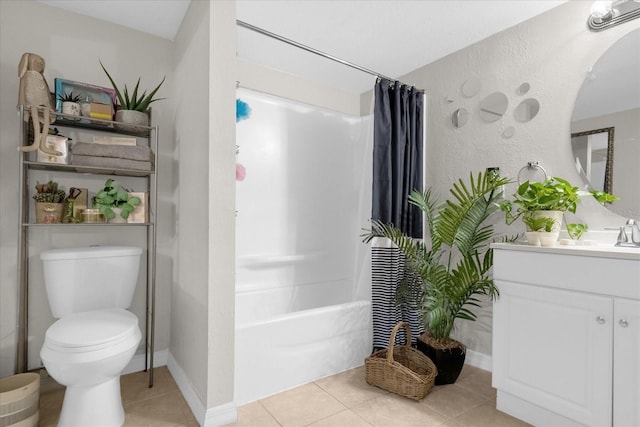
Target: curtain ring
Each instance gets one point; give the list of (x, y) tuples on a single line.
[(532, 165)]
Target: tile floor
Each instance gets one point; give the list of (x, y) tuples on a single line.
[(340, 400)]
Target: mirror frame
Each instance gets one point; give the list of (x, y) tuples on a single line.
[(608, 172)]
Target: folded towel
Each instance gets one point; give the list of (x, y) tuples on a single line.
[(110, 162), (117, 151)]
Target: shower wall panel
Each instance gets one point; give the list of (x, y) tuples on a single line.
[(298, 209)]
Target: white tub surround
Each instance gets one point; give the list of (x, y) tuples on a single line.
[(303, 288), (566, 334), (290, 350)]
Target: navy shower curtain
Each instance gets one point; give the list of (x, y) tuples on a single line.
[(397, 170), (397, 155)]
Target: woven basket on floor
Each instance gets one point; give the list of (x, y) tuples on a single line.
[(402, 370)]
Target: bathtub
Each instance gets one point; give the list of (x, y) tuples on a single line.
[(276, 352)]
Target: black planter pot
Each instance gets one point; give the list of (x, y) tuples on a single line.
[(449, 361)]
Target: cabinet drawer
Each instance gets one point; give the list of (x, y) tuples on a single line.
[(607, 276)]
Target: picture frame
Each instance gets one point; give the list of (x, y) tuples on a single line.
[(96, 94)]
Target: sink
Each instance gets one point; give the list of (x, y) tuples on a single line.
[(595, 237)]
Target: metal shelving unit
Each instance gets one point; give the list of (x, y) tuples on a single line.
[(27, 164)]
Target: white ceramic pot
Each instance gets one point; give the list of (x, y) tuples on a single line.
[(542, 238), (132, 117), (118, 219), (72, 108), (556, 215)]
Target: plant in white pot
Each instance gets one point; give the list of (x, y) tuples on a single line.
[(133, 106), (70, 103), (452, 271), (539, 203)]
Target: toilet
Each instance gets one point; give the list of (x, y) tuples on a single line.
[(95, 337)]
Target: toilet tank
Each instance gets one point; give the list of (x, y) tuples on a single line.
[(90, 278)]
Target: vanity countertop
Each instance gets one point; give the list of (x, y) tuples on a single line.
[(599, 250)]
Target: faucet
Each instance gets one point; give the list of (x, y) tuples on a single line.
[(623, 240), (635, 231)]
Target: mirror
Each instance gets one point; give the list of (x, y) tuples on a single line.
[(610, 98), (493, 107), (471, 87), (460, 117), (527, 110), (593, 151), (523, 88), (508, 132)]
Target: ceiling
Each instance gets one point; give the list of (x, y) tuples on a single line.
[(389, 37)]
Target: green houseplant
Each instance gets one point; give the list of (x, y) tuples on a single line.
[(453, 272), (554, 194), (134, 101), (113, 197), (541, 206), (539, 203)]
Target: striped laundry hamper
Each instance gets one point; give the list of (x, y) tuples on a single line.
[(387, 271)]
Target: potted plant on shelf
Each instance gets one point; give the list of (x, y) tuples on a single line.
[(538, 203), (114, 202), (49, 200), (133, 107), (70, 103), (454, 270), (540, 230), (548, 199)]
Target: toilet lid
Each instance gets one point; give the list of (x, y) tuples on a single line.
[(91, 330)]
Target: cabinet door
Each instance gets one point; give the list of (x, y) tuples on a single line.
[(626, 363), (553, 348)]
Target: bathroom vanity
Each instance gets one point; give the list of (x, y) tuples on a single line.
[(566, 334)]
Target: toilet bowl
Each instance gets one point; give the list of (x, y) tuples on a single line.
[(95, 337), (87, 352)]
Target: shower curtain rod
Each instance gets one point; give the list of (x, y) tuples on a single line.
[(309, 49)]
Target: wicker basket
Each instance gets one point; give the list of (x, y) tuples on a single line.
[(401, 370)]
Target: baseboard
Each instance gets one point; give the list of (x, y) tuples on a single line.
[(138, 362), (479, 360), (221, 415), (211, 417)]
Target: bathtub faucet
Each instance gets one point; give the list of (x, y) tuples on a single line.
[(623, 240)]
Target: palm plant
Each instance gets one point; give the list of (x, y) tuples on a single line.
[(454, 270)]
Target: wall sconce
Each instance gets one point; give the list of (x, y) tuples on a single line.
[(606, 14)]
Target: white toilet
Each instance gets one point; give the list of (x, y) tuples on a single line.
[(95, 337)]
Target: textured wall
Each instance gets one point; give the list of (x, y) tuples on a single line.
[(552, 53)]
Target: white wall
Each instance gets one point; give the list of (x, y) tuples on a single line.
[(71, 45), (221, 206), (202, 318), (268, 80), (189, 289), (552, 53)]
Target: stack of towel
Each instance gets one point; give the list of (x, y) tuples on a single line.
[(112, 156)]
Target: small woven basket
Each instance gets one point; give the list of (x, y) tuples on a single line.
[(401, 370)]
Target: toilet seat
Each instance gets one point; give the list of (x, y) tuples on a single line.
[(104, 331)]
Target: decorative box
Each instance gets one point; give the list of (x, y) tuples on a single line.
[(141, 213), (57, 143)]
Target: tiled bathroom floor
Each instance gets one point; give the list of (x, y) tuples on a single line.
[(341, 400)]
